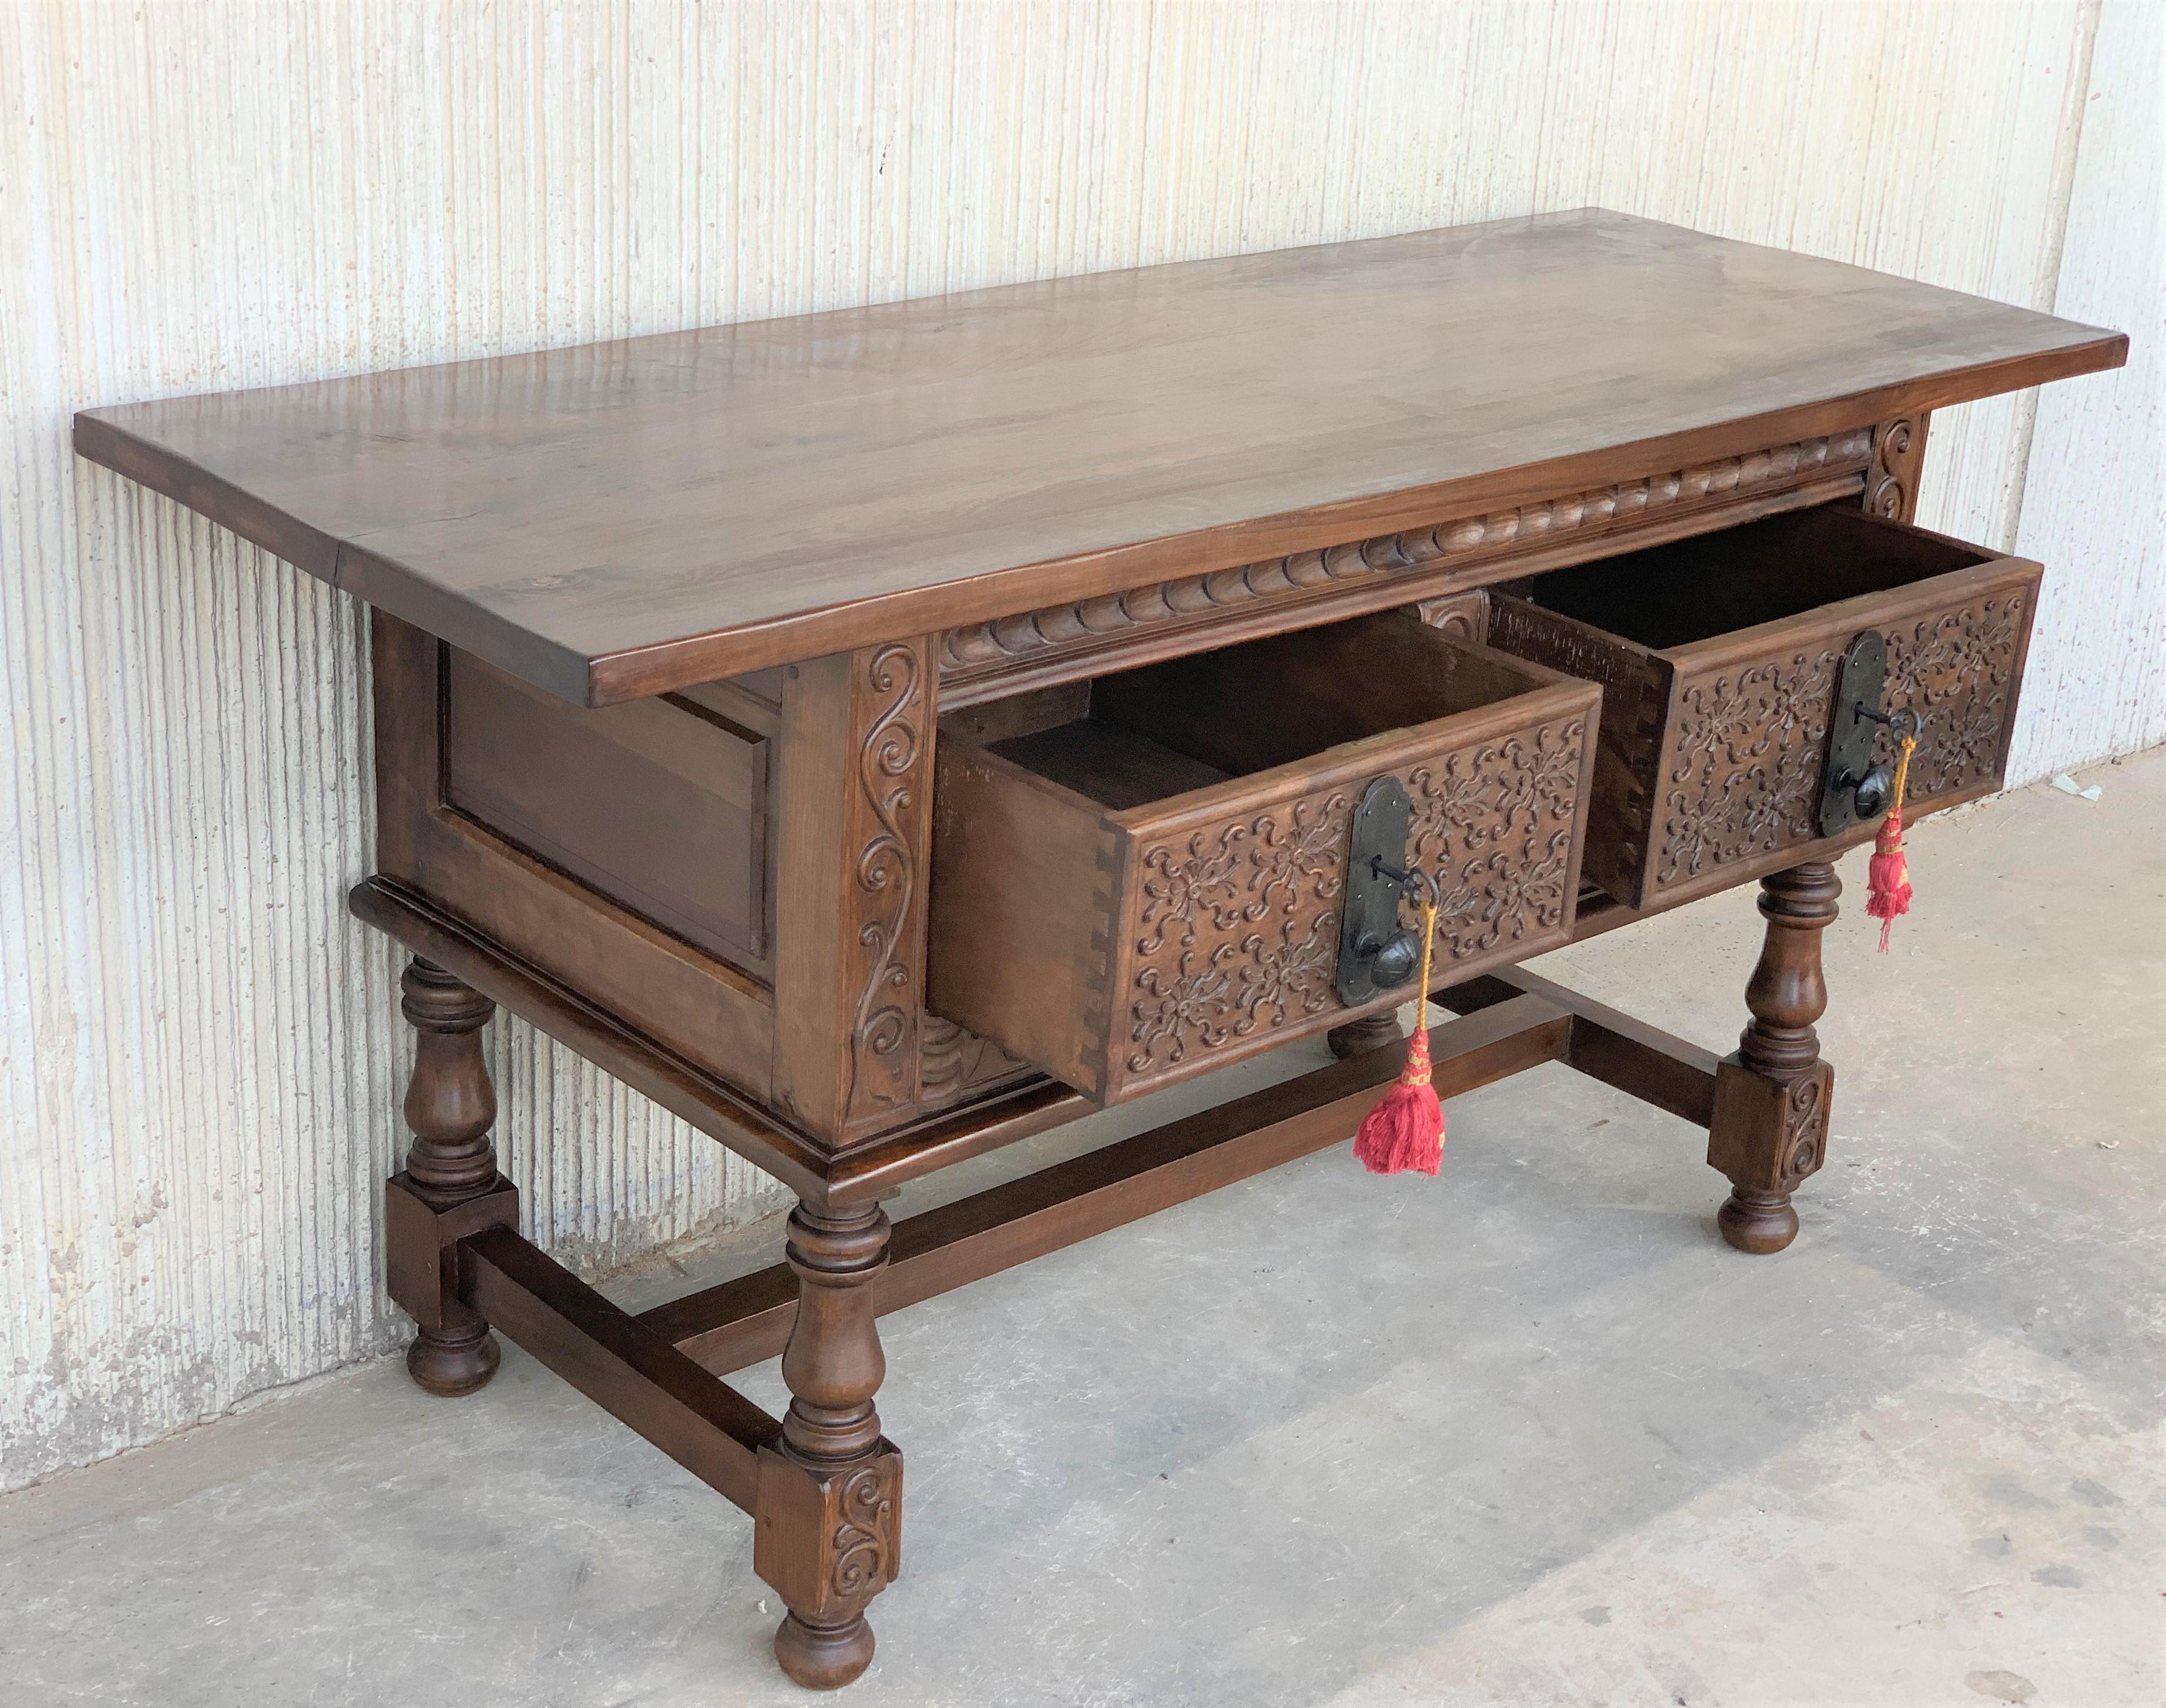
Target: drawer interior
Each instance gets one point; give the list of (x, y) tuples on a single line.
[(1689, 590), (1124, 740)]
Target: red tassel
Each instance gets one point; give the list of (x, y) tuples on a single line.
[(1406, 1129), (1887, 880)]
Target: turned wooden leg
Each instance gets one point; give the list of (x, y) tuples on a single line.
[(1772, 1095), (830, 1510), (1359, 1037), (449, 1186)]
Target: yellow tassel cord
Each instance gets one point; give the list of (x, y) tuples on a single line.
[(1421, 984), (1903, 770)]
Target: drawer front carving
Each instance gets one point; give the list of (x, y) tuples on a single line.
[(1960, 671), (1715, 746), (1742, 774), (1236, 930), (1147, 885), (1745, 763), (1235, 927)]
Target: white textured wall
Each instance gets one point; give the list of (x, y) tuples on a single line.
[(2093, 501), (201, 1058)]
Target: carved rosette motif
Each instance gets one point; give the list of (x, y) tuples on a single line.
[(883, 1057), (1748, 746), (985, 647), (1465, 616), (1236, 931)]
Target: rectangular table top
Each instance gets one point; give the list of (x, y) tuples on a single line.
[(625, 518)]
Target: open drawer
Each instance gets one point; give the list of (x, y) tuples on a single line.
[(1139, 878), (1720, 659)]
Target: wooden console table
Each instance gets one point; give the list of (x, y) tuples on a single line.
[(879, 735)]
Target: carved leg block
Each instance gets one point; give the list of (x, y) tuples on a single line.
[(828, 1534), (828, 1540), (449, 1186), (1767, 1136), (1359, 1037), (1773, 1094)]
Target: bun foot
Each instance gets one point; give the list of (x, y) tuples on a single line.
[(823, 1658), (1761, 1222), (1359, 1037), (453, 1366)]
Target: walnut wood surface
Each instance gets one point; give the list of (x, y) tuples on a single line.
[(622, 519), (1607, 1044), (859, 1175), (1146, 525), (830, 1535), (661, 804)]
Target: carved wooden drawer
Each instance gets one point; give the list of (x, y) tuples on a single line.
[(1138, 878), (1718, 658)]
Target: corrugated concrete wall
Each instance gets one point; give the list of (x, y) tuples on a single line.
[(201, 1060)]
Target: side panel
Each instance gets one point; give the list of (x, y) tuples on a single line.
[(713, 1015), (659, 804)]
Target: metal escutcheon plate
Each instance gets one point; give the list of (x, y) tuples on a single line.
[(1860, 679), (1372, 913)]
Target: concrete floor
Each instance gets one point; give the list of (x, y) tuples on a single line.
[(1528, 1434)]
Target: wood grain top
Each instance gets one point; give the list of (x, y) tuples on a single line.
[(626, 518)]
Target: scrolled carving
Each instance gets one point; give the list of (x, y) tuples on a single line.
[(954, 1061), (1301, 855), (1748, 746), (882, 1063), (1188, 1004), (863, 1546), (1898, 453), (1290, 977), (1182, 886), (1804, 1126)]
